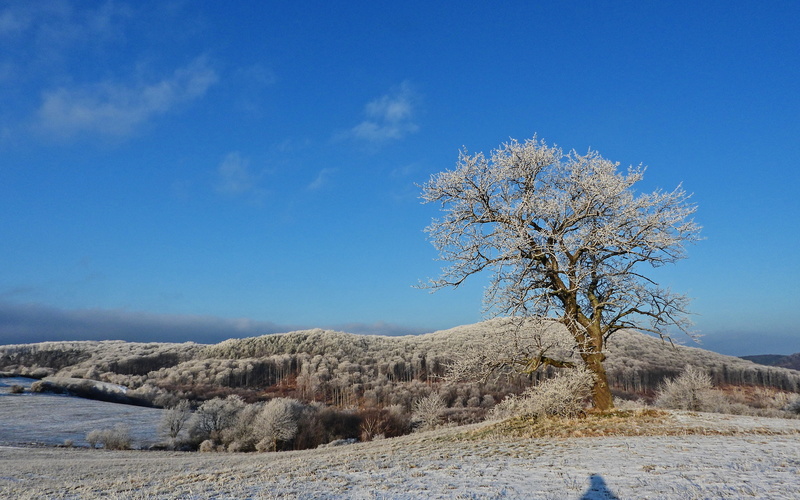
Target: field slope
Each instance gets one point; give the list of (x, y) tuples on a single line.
[(706, 456)]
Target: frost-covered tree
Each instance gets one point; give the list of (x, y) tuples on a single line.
[(216, 415), (567, 238), (428, 410), (277, 421), (175, 419)]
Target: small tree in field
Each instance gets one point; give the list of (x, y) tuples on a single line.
[(176, 419), (428, 410), (566, 238)]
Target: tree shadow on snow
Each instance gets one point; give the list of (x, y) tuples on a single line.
[(598, 490)]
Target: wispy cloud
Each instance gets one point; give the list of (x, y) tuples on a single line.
[(41, 36), (389, 117), (236, 178), (117, 109), (322, 178)]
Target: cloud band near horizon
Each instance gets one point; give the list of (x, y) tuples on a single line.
[(31, 323)]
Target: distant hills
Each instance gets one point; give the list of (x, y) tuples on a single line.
[(791, 361), (346, 369)]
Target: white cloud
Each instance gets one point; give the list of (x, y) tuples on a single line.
[(55, 28), (235, 177), (117, 109), (388, 117), (321, 179)]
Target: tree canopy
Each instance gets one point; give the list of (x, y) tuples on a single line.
[(566, 237)]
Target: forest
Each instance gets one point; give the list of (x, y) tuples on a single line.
[(358, 371)]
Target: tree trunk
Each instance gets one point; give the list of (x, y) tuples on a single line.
[(601, 392)]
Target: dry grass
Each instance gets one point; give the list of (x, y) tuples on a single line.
[(615, 423)]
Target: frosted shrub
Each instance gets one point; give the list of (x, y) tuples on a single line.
[(692, 390), (562, 396), (117, 438), (93, 438), (428, 411)]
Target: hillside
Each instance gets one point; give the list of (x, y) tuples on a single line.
[(792, 361), (347, 369)]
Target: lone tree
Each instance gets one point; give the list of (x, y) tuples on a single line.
[(566, 237)]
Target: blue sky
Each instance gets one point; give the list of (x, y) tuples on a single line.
[(202, 170)]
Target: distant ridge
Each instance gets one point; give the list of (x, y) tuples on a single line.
[(345, 368), (791, 361)]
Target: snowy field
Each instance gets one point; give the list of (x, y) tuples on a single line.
[(759, 459), (51, 419)]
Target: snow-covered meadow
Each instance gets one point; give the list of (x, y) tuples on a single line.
[(713, 456), (53, 419)]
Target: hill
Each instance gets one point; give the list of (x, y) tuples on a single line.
[(792, 361), (345, 369)]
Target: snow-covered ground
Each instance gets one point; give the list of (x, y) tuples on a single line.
[(761, 459), (52, 419)]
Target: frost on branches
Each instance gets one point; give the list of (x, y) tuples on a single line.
[(566, 238), (512, 345)]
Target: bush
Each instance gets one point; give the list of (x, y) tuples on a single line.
[(318, 424), (383, 423), (562, 396), (17, 389), (693, 390), (117, 438)]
